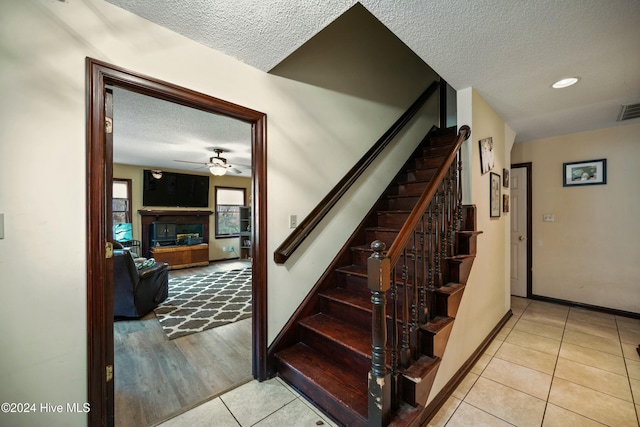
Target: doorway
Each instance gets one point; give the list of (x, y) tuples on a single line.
[(99, 235), (521, 261)]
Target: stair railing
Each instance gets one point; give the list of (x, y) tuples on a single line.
[(415, 262), (300, 233)]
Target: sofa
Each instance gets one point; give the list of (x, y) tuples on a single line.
[(137, 291)]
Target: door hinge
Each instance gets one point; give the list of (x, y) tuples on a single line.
[(109, 373), (108, 250)]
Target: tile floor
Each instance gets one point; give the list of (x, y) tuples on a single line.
[(550, 365)]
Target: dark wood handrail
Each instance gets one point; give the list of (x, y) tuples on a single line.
[(291, 243), (395, 250)]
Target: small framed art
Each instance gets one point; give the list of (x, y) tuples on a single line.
[(588, 172), (495, 200), (486, 155)]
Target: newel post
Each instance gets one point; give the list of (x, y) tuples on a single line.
[(379, 277)]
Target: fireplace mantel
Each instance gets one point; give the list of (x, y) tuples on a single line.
[(149, 216)]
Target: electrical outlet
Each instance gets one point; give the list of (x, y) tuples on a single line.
[(548, 218), (230, 248), (224, 249), (293, 221), (1, 226)]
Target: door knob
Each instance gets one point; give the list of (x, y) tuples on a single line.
[(522, 238)]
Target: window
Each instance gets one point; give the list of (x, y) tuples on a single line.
[(121, 201), (228, 202)]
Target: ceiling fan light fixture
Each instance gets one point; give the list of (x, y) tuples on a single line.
[(218, 169), (156, 174), (569, 81)]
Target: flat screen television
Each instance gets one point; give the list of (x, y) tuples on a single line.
[(175, 190)]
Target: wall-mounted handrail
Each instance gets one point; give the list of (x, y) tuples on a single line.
[(291, 243)]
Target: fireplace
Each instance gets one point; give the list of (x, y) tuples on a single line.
[(173, 227)]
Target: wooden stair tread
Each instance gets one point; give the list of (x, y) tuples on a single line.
[(420, 367), (450, 288), (340, 383), (346, 334), (437, 323), (345, 297)]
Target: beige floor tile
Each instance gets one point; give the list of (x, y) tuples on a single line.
[(555, 416), (592, 329), (535, 342), (254, 401), (523, 379), (635, 387), (592, 404), (481, 364), (527, 357), (629, 351), (604, 381), (511, 322), (593, 342), (630, 336), (209, 414), (536, 328), (445, 412), (633, 369), (467, 415), (544, 318), (493, 347), (627, 322), (465, 385), (506, 403), (595, 317), (303, 415), (519, 302), (595, 358), (548, 308), (503, 334)]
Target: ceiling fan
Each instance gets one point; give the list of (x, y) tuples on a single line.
[(217, 165)]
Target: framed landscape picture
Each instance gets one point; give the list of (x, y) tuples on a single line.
[(495, 201), (588, 172)]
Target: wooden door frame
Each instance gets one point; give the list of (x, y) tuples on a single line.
[(527, 167), (99, 164)]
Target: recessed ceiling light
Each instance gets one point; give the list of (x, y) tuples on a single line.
[(570, 81)]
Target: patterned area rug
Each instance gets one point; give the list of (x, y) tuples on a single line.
[(204, 301)]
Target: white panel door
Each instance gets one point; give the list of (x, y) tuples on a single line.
[(518, 215)]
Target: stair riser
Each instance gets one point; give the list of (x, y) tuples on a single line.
[(358, 316), (333, 349), (353, 283), (418, 175), (412, 188), (467, 245), (441, 150), (428, 162), (327, 402), (384, 236), (434, 345), (447, 305), (392, 219), (459, 270), (416, 391), (402, 203)]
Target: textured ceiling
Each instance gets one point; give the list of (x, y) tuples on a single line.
[(510, 51)]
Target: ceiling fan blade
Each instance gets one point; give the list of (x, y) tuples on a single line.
[(234, 170), (186, 161), (236, 165)]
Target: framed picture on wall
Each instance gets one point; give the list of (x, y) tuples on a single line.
[(505, 203), (486, 155), (505, 178), (494, 195), (588, 172)]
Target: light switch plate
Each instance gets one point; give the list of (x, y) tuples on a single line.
[(548, 218), (293, 221)]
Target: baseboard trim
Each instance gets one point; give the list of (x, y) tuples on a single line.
[(432, 408), (587, 306)]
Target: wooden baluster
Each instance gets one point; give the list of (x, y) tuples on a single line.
[(459, 199), (395, 343), (443, 234), (415, 302), (438, 239), (431, 248), (379, 276), (450, 209), (422, 315), (405, 350)]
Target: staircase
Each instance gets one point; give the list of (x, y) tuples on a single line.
[(327, 352)]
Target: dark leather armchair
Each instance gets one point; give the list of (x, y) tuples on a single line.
[(137, 292)]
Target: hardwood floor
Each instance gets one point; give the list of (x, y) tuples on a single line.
[(156, 378)]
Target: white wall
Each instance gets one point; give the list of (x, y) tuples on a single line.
[(314, 136), (486, 297), (589, 253)]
